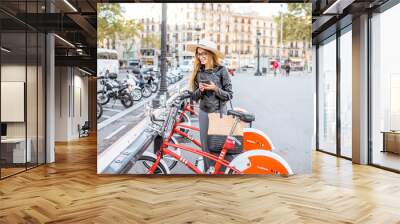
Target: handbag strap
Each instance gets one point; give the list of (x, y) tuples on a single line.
[(219, 101)]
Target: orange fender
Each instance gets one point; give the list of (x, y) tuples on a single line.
[(256, 139)]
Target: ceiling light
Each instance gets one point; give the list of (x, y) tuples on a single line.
[(86, 72), (5, 49), (337, 7), (326, 11), (64, 40), (70, 5)]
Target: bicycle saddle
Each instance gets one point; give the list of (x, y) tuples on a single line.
[(243, 116), (186, 94)]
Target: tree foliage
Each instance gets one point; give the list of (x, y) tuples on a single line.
[(111, 24), (152, 41), (296, 23)]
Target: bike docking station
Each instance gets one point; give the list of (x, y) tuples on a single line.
[(117, 158), (161, 129)]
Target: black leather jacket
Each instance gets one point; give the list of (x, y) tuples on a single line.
[(211, 101)]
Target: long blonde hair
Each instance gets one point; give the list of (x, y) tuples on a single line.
[(196, 66)]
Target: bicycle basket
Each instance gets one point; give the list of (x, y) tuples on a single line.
[(218, 130), (216, 142)]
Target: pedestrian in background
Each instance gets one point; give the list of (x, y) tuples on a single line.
[(275, 66), (211, 85), (287, 67)]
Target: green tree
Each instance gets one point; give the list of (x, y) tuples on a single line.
[(111, 24), (296, 23), (152, 41)]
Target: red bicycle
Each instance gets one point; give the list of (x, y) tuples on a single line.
[(254, 161), (253, 139)]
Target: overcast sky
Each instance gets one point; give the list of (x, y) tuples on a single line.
[(140, 10)]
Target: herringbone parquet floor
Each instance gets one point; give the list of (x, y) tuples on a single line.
[(69, 191)]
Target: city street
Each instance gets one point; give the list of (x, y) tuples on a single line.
[(283, 107)]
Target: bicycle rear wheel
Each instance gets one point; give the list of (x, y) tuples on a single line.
[(260, 162)]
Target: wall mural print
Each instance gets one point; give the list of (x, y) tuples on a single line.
[(204, 88)]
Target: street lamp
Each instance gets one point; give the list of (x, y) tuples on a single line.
[(281, 34), (163, 92), (258, 54)]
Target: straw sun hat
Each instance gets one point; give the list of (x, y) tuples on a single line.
[(207, 45)]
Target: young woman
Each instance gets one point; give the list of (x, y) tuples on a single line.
[(211, 85)]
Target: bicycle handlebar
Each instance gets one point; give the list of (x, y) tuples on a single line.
[(153, 118), (174, 104)]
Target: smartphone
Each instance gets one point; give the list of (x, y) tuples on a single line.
[(205, 81)]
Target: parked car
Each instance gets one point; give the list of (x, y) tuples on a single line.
[(186, 65), (251, 65)]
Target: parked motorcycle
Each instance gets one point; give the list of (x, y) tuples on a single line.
[(152, 81), (133, 87), (112, 89), (99, 110), (141, 83)]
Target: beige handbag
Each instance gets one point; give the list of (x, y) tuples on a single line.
[(219, 127)]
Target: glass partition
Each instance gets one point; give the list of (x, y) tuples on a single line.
[(327, 96), (22, 101), (346, 93), (32, 98), (14, 153), (385, 89)]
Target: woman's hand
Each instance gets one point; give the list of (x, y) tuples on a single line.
[(210, 86), (201, 87)]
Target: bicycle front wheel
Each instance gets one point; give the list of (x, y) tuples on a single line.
[(260, 162), (143, 165)]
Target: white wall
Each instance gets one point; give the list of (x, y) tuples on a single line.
[(12, 73), (71, 103), (33, 126)]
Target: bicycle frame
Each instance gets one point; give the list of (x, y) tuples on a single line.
[(219, 160), (187, 108)]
